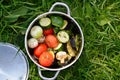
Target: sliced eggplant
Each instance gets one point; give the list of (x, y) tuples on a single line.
[(77, 42), (70, 50), (72, 42)]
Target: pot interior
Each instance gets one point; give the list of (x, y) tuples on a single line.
[(73, 29)]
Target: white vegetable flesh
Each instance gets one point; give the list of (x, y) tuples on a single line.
[(61, 55), (36, 32), (32, 43), (63, 36), (44, 22)]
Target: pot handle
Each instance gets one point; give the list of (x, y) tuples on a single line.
[(45, 78), (60, 4)]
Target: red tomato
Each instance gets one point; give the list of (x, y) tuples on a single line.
[(51, 41), (48, 31), (46, 59), (40, 49)]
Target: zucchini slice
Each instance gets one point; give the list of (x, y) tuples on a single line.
[(58, 47), (45, 22), (63, 36), (65, 24)]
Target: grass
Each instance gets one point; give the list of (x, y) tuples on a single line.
[(100, 23)]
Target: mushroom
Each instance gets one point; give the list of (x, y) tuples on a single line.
[(41, 39), (61, 56)]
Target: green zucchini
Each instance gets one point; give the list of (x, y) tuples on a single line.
[(63, 36), (45, 22)]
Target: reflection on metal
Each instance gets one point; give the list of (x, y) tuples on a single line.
[(13, 63)]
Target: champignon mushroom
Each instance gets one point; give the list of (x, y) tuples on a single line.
[(61, 56), (41, 39)]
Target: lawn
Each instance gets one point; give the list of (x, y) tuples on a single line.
[(99, 21)]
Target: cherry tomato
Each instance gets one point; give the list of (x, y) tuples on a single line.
[(40, 49), (46, 59), (51, 41), (48, 31)]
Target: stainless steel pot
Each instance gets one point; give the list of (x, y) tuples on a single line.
[(51, 11)]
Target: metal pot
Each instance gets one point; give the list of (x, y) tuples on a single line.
[(13, 63), (78, 28)]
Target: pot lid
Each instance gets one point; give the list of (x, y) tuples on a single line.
[(13, 63)]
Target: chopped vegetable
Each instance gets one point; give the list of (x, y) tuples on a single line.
[(45, 22), (56, 30), (36, 32), (61, 56), (48, 31), (72, 42), (32, 43), (57, 21), (41, 39), (52, 53), (65, 24), (51, 41), (46, 59), (58, 47), (70, 50), (63, 36), (40, 49), (77, 42)]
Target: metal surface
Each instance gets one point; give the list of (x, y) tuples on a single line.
[(13, 63), (46, 78), (51, 11), (60, 4)]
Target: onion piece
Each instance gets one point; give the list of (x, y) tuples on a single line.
[(36, 32), (32, 43)]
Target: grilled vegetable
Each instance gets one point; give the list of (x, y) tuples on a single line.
[(51, 41), (57, 21), (77, 42), (45, 22), (58, 47), (61, 56), (46, 59), (36, 32), (70, 50), (48, 31), (40, 49), (63, 36), (41, 39), (32, 43), (64, 25)]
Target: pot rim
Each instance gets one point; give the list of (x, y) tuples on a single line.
[(45, 14), (18, 55)]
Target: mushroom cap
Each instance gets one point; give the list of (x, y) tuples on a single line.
[(61, 55)]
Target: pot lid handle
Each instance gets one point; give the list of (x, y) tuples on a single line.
[(60, 4)]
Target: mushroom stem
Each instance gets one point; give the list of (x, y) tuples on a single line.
[(61, 56)]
